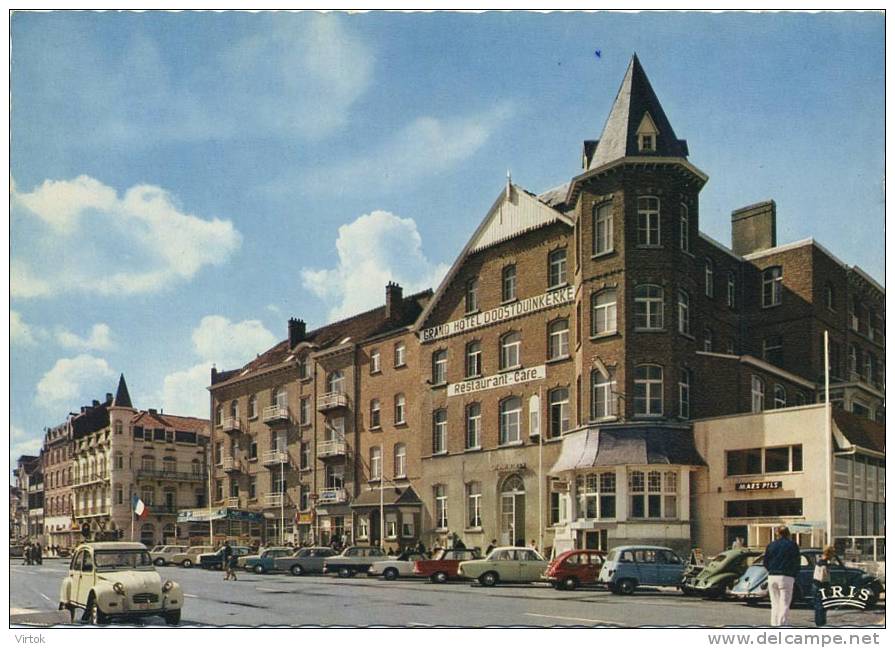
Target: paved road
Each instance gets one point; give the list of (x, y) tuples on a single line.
[(257, 600)]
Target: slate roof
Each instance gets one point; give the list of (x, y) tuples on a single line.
[(122, 397), (860, 431), (390, 497), (619, 138)]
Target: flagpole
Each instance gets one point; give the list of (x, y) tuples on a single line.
[(132, 519)]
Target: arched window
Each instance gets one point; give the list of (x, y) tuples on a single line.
[(603, 312), (510, 350), (709, 278), (772, 286), (648, 306), (513, 484), (648, 221), (558, 339), (602, 230), (648, 390), (508, 283), (779, 396), (510, 420), (602, 401)]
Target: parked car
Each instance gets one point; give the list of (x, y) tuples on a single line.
[(505, 565), (575, 567), (307, 560), (352, 561), (720, 574), (442, 567), (752, 587), (394, 566), (264, 562), (117, 579), (161, 554), (215, 560), (627, 568), (190, 556)]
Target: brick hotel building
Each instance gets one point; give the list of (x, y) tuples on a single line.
[(546, 390)]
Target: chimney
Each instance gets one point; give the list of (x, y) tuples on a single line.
[(297, 331), (108, 398), (394, 300), (96, 403), (153, 411), (754, 228)]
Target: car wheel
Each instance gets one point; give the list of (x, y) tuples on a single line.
[(344, 572), (627, 586), (390, 574), (187, 563), (296, 570), (172, 618), (159, 562), (714, 593), (95, 616), (489, 579), (259, 569), (751, 602), (612, 588), (569, 583), (440, 577)]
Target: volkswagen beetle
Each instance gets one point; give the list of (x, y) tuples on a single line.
[(117, 579)]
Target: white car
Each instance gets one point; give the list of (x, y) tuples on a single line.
[(117, 579), (392, 568), (161, 554)]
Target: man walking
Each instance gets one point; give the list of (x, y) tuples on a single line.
[(781, 559), (227, 560)]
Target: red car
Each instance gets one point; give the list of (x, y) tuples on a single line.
[(575, 567), (443, 565)]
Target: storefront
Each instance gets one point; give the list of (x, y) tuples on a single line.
[(195, 525), (401, 508)]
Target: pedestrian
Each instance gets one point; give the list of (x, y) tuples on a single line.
[(491, 547), (781, 559), (227, 561), (821, 579), (420, 547), (737, 543), (458, 543), (27, 554), (38, 554)]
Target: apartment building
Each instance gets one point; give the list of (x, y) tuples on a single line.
[(58, 466), (29, 482)]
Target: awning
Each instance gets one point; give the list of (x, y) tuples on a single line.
[(204, 515), (396, 496), (620, 446), (860, 431)]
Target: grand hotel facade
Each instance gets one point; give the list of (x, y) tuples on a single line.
[(550, 388)]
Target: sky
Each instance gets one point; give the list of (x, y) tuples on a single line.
[(183, 183)]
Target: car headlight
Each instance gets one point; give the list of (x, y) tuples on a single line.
[(764, 585), (118, 588), (167, 586)]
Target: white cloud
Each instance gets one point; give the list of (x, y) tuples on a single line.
[(184, 393), (20, 332), (71, 378), (21, 443), (424, 148), (376, 248), (100, 338), (230, 344), (140, 243)]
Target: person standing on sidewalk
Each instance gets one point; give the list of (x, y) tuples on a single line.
[(821, 579), (781, 559)]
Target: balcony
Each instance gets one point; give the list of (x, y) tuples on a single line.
[(276, 499), (163, 509), (332, 496), (231, 464), (275, 414), (232, 502), (230, 425), (275, 457), (334, 448), (331, 401), (169, 475)]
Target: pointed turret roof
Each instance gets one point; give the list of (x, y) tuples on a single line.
[(636, 107), (122, 397)]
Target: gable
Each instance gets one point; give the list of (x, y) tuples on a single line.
[(647, 126), (514, 213)]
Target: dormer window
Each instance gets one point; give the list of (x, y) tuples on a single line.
[(647, 143), (646, 134)]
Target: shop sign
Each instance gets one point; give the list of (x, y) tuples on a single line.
[(500, 314), (759, 485), (304, 518), (500, 380), (559, 486), (507, 467)]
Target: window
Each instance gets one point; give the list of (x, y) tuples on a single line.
[(596, 495), (683, 312), (473, 426), (558, 339), (375, 361), (556, 269), (648, 220), (707, 339), (653, 494), (510, 420), (473, 359), (755, 461), (709, 278), (441, 521), (374, 413), (302, 367), (218, 417), (279, 397), (769, 508), (772, 349), (375, 463), (400, 351), (852, 361), (510, 346), (474, 505), (304, 410), (148, 496), (772, 287), (603, 309), (439, 367), (602, 229), (119, 427), (304, 457), (647, 143), (439, 432), (602, 396), (731, 290), (304, 497), (869, 360), (472, 295), (683, 390), (828, 297), (218, 490), (400, 453), (648, 390), (744, 462), (391, 526), (559, 411), (779, 396), (253, 484), (119, 461), (335, 381), (757, 395), (400, 402), (253, 450), (253, 406), (508, 283), (648, 306)]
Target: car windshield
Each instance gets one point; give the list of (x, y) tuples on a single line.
[(112, 560)]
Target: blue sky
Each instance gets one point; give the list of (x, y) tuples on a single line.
[(185, 182)]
